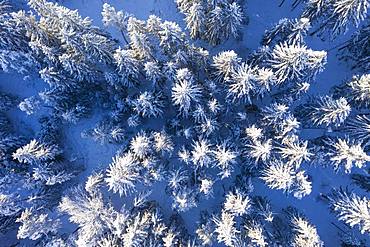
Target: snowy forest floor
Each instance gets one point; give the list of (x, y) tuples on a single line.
[(262, 14)]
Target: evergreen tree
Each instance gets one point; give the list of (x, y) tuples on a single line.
[(255, 234), (337, 16), (225, 228), (90, 213), (291, 31), (233, 18), (184, 199), (304, 233), (356, 91), (106, 132), (294, 151), (258, 150), (351, 208), (29, 105), (36, 225), (185, 91), (356, 50), (122, 174), (279, 175), (201, 155), (225, 158), (237, 203), (171, 37), (296, 62), (242, 83), (127, 66), (359, 129), (149, 104), (163, 143), (141, 145), (214, 26), (327, 111), (118, 19), (345, 153), (35, 152), (195, 19), (224, 64)]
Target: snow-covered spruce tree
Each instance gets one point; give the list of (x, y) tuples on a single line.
[(35, 152), (356, 50), (278, 118), (255, 233), (205, 229), (287, 128), (314, 9), (171, 37), (302, 185), (345, 153), (118, 19), (224, 64), (70, 52), (141, 145), (139, 39), (296, 62), (222, 22), (89, 43), (123, 173), (148, 104), (213, 21), (185, 91), (292, 31), (195, 18), (90, 212), (225, 230), (260, 57), (206, 187), (351, 209), (30, 105), (359, 129), (127, 67), (232, 19), (237, 203), (8, 204), (242, 83), (36, 224), (177, 179), (279, 175), (304, 234), (106, 132), (163, 143), (265, 80), (214, 26), (15, 53), (336, 16), (325, 110), (184, 199), (256, 147), (225, 158), (294, 151), (356, 91), (201, 154), (282, 176), (153, 72)]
